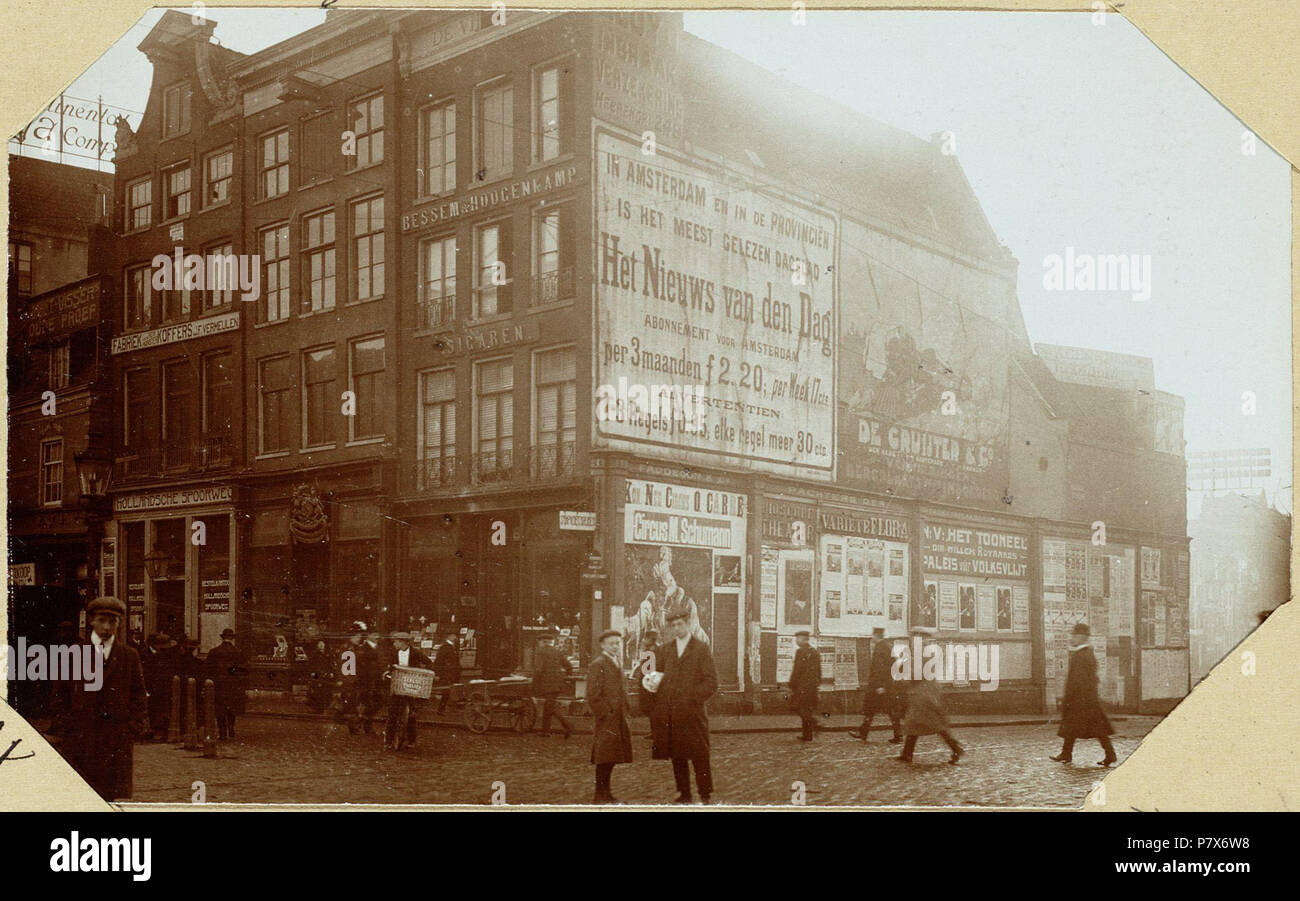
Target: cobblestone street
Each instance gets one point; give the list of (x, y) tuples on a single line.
[(309, 761)]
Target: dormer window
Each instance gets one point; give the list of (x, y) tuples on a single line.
[(176, 110)]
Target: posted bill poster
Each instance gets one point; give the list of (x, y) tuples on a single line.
[(985, 612), (863, 584), (948, 606), (716, 315)]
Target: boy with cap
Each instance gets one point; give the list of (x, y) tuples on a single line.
[(402, 707), (679, 726), (1081, 713), (611, 737)]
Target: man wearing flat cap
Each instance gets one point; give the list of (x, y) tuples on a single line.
[(104, 719), (401, 708), (611, 737), (1081, 713), (679, 727), (805, 676), (228, 670)]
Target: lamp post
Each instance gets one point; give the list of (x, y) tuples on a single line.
[(94, 474)]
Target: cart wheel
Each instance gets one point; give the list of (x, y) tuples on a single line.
[(523, 715), (477, 718)]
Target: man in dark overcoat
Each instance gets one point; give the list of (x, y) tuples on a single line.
[(159, 659), (1081, 713), (884, 693), (446, 668), (611, 737), (805, 676), (679, 726), (107, 714), (925, 714), (550, 667), (228, 671)]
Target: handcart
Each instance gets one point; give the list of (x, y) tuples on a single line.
[(508, 700)]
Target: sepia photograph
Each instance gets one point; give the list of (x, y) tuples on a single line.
[(615, 409)]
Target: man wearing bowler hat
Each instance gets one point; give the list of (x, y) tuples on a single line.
[(883, 693), (107, 714), (228, 671), (1081, 713), (402, 707), (676, 694), (805, 676), (611, 737)]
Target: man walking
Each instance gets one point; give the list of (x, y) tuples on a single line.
[(549, 669), (159, 660), (349, 669), (400, 730), (446, 666), (229, 673), (883, 693), (805, 676), (105, 719), (611, 737), (1081, 713), (925, 716), (676, 695), (370, 673)]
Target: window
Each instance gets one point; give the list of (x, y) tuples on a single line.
[(60, 364), (177, 412), (318, 262), (366, 122), (218, 172), (437, 295), (438, 149), (223, 275), (176, 191), (555, 412), (218, 402), (552, 126), (368, 248), (437, 427), (275, 272), (136, 405), (139, 204), (493, 275), (319, 399), (139, 297), (20, 267), (494, 138), (52, 472), (175, 304), (554, 252), (273, 387), (365, 367), (273, 169), (176, 110), (495, 415)]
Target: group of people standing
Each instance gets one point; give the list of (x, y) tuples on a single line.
[(163, 659)]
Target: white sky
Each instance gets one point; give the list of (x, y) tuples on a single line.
[(1072, 134)]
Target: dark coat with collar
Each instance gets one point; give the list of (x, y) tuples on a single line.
[(679, 727), (550, 666), (881, 676), (1081, 713), (446, 664), (228, 670), (103, 724), (805, 676), (611, 738)]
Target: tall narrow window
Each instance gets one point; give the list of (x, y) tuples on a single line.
[(176, 110), (20, 267), (318, 261), (222, 275), (273, 164), (552, 127), (437, 298), (438, 149), (273, 387), (495, 415), (175, 304), (368, 248), (52, 472), (320, 400), (275, 272), (139, 204), (139, 299), (494, 132), (438, 427), (218, 406), (176, 191), (366, 121), (178, 412), (365, 370), (554, 252), (218, 172), (60, 364), (136, 407), (555, 412), (494, 270)]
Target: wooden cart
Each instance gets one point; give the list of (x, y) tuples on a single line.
[(508, 700)]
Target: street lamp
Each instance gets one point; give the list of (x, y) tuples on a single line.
[(94, 473)]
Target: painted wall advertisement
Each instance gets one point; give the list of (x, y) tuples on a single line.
[(716, 315), (974, 579), (684, 547)]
